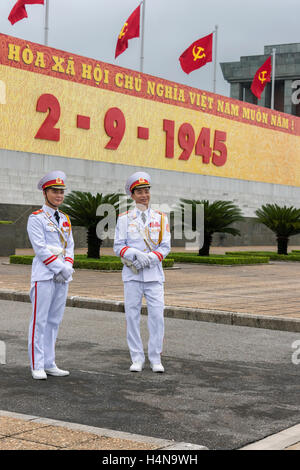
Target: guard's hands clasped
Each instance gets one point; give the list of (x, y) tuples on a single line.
[(67, 272), (142, 260)]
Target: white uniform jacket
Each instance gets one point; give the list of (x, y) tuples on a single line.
[(131, 232), (43, 233)]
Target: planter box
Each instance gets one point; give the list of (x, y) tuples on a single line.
[(7, 239)]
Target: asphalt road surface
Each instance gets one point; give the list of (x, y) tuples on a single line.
[(224, 386)]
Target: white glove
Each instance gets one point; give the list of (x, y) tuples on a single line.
[(130, 254), (142, 258), (137, 264), (67, 271), (59, 278), (153, 259)]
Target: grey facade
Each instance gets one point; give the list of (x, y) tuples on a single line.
[(287, 72)]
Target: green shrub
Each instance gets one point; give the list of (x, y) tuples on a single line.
[(107, 263), (271, 254), (16, 259), (218, 259)]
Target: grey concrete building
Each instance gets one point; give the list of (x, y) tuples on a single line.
[(287, 74)]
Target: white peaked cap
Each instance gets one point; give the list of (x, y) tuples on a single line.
[(140, 179), (54, 178)]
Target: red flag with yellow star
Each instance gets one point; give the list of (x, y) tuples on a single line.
[(261, 78), (130, 30), (19, 11), (197, 54)]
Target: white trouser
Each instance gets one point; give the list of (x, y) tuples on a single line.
[(48, 300), (154, 295)]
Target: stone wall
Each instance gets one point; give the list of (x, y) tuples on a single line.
[(19, 196)]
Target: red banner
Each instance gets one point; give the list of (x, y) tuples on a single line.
[(261, 78), (197, 55), (130, 30), (19, 11)]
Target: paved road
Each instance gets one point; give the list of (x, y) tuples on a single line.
[(224, 386)]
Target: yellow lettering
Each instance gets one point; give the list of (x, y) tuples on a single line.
[(203, 101), (70, 67), (86, 71), (246, 113), (160, 89), (57, 67), (128, 82), (227, 108), (169, 92), (106, 76), (14, 52), (151, 88), (210, 102), (39, 61), (192, 97), (235, 110), (137, 84), (285, 123), (119, 80), (181, 96), (27, 56), (97, 74), (220, 106)]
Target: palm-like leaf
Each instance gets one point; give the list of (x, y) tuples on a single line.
[(82, 206), (284, 221), (82, 209), (218, 217)]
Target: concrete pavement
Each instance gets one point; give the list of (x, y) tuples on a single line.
[(264, 296)]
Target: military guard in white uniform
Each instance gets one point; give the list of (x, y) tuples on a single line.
[(51, 237), (142, 240)]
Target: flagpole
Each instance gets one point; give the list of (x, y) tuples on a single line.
[(143, 36), (273, 78), (215, 60), (46, 21)]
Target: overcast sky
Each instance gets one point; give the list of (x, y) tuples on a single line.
[(90, 28)]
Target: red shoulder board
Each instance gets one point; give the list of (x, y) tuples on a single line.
[(38, 212)]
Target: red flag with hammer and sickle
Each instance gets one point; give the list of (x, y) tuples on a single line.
[(19, 11), (131, 29), (197, 54), (261, 78)]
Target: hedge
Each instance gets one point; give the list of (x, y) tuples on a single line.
[(106, 263), (217, 259), (271, 254)]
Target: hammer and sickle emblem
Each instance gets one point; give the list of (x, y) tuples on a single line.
[(123, 31), (200, 54), (262, 76)]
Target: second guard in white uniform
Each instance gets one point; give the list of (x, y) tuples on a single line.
[(142, 240), (50, 233)]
